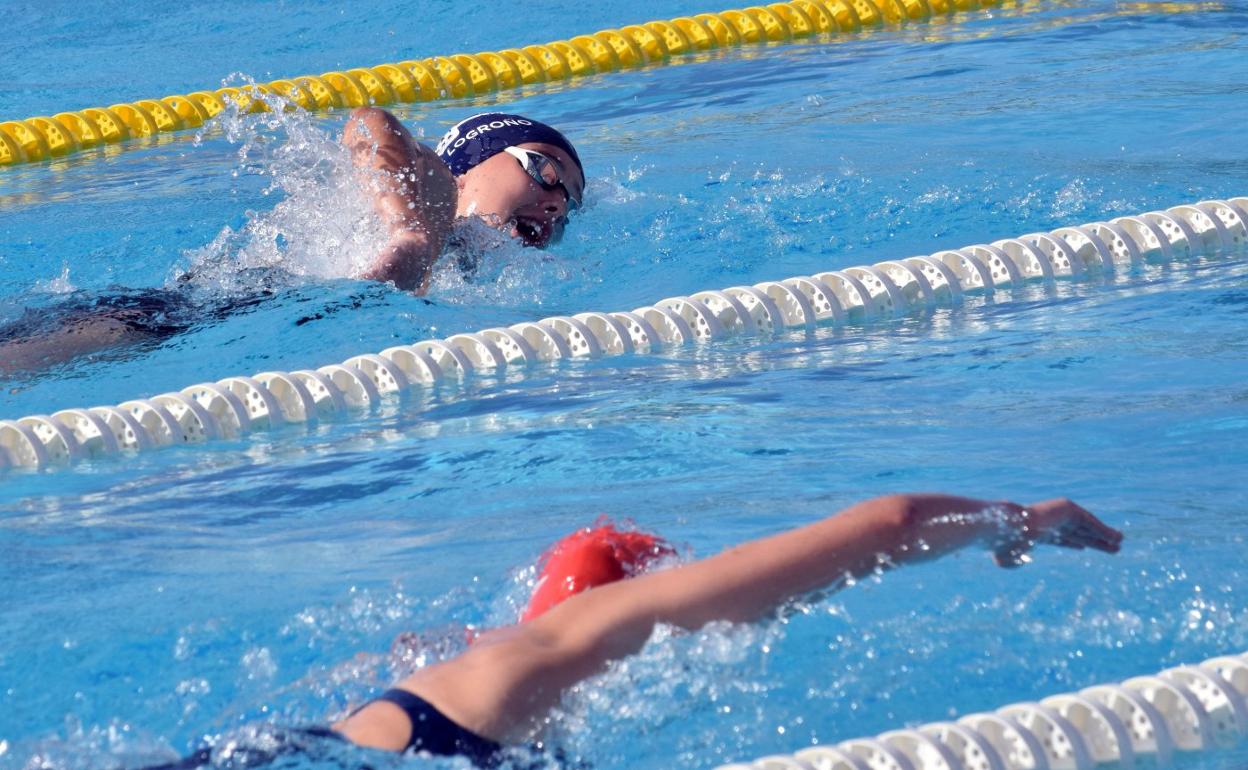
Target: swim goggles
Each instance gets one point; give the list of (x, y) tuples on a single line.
[(545, 171)]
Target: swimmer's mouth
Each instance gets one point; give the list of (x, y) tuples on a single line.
[(536, 232)]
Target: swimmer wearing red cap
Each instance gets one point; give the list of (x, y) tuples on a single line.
[(512, 172), (600, 593), (584, 615), (589, 558)]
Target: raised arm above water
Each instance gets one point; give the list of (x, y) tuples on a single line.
[(502, 686), (413, 192)]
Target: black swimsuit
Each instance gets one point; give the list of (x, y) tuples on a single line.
[(435, 733), (432, 733)]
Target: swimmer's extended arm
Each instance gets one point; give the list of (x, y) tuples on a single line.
[(511, 677), (413, 192)]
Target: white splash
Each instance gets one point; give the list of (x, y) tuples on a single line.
[(323, 224), (58, 285)]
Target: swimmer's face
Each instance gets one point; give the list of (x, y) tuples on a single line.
[(503, 194)]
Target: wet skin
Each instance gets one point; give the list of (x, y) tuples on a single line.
[(418, 199)]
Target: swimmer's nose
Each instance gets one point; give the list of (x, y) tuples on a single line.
[(555, 205)]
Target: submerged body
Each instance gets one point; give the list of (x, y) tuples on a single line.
[(126, 320)]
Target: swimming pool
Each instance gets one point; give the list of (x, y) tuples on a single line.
[(153, 602)]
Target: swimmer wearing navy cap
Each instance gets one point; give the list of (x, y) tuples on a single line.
[(512, 172)]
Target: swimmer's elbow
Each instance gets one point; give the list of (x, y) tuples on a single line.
[(897, 513)]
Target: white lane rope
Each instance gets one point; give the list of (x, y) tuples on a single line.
[(1143, 720), (235, 406)]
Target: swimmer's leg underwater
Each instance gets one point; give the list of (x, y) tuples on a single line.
[(50, 337), (117, 323)]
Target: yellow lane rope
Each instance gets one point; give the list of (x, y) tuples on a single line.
[(466, 75)]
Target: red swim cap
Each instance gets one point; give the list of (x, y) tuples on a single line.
[(591, 557)]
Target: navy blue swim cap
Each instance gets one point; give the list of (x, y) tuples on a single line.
[(474, 140)]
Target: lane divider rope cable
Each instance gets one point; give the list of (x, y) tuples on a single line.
[(465, 75), (235, 406), (1143, 720)]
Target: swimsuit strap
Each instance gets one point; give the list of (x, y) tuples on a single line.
[(434, 732)]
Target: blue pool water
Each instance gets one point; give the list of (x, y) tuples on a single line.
[(151, 603)]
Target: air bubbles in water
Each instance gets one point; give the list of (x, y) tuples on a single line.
[(483, 265), (685, 678), (116, 744), (258, 664)]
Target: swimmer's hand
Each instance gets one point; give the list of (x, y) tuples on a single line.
[(1059, 522)]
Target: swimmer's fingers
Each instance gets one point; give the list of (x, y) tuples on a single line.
[(1094, 534), (1084, 530), (1059, 522), (1065, 522)]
